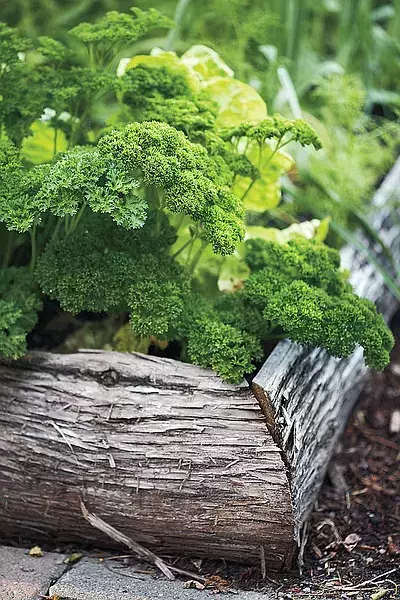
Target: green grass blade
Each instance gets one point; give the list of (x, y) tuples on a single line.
[(353, 240), (179, 16)]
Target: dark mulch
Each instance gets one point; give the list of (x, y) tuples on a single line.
[(355, 530)]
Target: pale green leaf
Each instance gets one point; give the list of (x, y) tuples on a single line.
[(265, 193), (44, 143), (237, 101), (206, 62), (308, 229), (322, 230), (126, 340)]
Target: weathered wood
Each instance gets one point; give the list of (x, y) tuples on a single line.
[(163, 451), (306, 395)]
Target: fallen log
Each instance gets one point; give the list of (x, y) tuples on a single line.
[(165, 452), (170, 455)]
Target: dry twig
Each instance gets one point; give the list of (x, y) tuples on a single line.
[(116, 535)]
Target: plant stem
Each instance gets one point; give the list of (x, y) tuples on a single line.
[(197, 256), (91, 56), (67, 224), (278, 146), (56, 229), (32, 234), (278, 336), (249, 188), (160, 210), (180, 222), (55, 142), (75, 219), (185, 245), (191, 245), (8, 250)]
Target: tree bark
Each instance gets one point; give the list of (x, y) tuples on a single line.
[(307, 396), (163, 451)]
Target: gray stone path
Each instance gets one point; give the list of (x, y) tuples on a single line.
[(23, 577), (91, 580)]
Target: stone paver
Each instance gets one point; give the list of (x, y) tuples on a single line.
[(92, 580), (23, 577)]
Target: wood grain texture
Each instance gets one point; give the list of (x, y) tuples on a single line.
[(307, 396), (164, 451)]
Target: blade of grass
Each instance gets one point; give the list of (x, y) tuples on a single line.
[(179, 16), (362, 220), (290, 92), (373, 234), (356, 243), (296, 14)]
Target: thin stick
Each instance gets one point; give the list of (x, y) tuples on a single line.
[(376, 578), (188, 573), (119, 557), (122, 573), (116, 535), (171, 567), (350, 588)]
